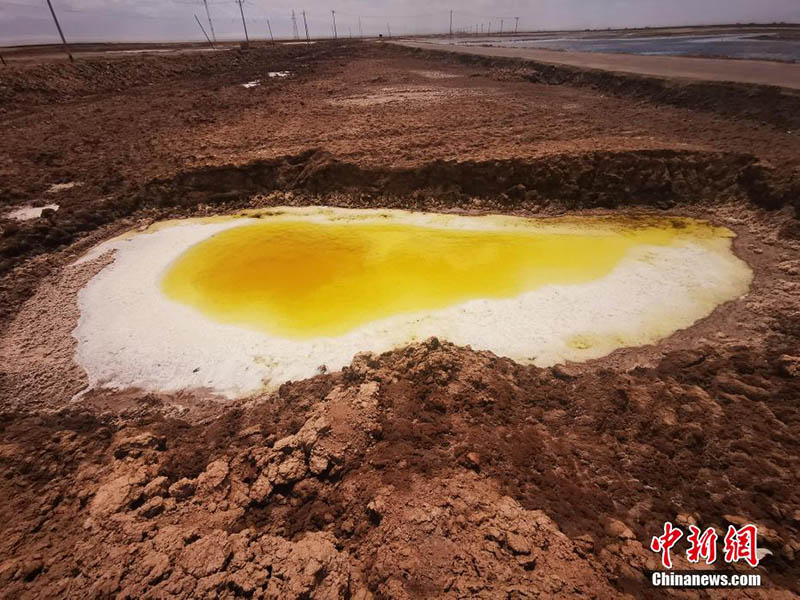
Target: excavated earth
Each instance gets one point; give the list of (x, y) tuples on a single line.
[(432, 470)]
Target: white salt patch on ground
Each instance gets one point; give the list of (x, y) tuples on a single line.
[(271, 74), (130, 335), (26, 213), (60, 187)]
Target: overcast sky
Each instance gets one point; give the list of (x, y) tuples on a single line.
[(29, 21)]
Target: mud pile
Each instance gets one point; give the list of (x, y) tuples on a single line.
[(44, 83), (429, 471)]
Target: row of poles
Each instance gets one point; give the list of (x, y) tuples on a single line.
[(478, 28), (212, 39)]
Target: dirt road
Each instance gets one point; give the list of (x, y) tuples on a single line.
[(697, 69)]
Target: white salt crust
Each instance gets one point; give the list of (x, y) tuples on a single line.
[(130, 335), (26, 213)]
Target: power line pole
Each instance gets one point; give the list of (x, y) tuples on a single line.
[(335, 33), (501, 25), (270, 32), (241, 11), (516, 24), (451, 23), (204, 32), (389, 29), (305, 24), (61, 33), (360, 31), (350, 31), (294, 26), (210, 22)]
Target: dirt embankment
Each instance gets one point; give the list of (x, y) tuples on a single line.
[(23, 85), (429, 471), (777, 106)]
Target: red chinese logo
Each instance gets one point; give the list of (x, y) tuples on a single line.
[(664, 543), (739, 544), (702, 545), (742, 544)]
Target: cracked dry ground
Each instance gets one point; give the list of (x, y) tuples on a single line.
[(430, 471)]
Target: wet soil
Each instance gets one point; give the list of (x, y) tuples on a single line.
[(430, 471)]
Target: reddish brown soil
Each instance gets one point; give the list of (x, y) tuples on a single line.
[(434, 470)]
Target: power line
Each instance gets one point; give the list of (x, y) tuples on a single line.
[(305, 24), (210, 22), (204, 31), (241, 10), (61, 33), (270, 32), (294, 26)]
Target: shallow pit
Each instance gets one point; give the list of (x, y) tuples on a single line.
[(239, 304)]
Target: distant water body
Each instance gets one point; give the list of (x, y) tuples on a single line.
[(759, 46)]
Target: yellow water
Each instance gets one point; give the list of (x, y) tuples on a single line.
[(302, 279)]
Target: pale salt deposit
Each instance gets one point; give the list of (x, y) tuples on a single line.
[(26, 213), (271, 74), (130, 335), (60, 187)]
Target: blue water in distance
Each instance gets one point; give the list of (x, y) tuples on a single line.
[(761, 46)]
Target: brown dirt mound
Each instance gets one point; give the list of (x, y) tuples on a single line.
[(47, 83), (429, 471)]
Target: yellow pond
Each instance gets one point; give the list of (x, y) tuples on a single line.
[(299, 279)]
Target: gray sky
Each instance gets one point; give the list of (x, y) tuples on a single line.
[(29, 21)]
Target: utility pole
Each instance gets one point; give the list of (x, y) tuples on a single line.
[(335, 33), (501, 25), (294, 26), (360, 31), (389, 29), (350, 31), (61, 33), (305, 23), (451, 23), (204, 32), (270, 32), (210, 23), (241, 11), (516, 24)]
